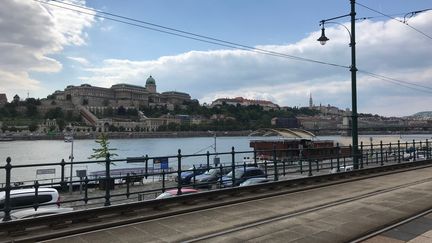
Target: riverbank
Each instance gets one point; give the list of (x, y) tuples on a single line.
[(125, 135), (175, 134)]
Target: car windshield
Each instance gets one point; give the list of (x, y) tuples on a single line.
[(238, 173)]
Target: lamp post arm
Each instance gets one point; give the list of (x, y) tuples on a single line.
[(338, 17)]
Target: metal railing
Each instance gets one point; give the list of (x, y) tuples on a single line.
[(282, 164)]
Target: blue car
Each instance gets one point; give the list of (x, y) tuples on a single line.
[(187, 175), (241, 175)]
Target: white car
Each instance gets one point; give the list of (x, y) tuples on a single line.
[(25, 199), (31, 213), (254, 181), (342, 169)]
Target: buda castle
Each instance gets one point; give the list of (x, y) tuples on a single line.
[(125, 95)]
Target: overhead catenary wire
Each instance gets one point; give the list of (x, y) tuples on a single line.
[(398, 20), (224, 43), (413, 86), (183, 34)]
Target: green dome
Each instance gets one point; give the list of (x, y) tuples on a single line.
[(151, 80)]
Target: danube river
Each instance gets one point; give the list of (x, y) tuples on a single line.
[(53, 151)]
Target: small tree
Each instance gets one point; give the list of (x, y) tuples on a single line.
[(104, 148)]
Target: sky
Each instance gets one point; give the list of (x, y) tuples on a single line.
[(46, 48)]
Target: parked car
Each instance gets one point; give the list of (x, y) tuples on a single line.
[(25, 199), (210, 177), (31, 213), (254, 181), (173, 193), (342, 169), (242, 174), (187, 175)]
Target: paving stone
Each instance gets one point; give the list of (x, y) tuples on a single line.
[(420, 239), (383, 239), (400, 235)]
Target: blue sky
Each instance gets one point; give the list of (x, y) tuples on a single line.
[(55, 47)]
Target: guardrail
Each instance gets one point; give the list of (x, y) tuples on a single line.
[(232, 195), (283, 164)]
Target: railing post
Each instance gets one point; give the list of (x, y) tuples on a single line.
[(86, 181), (221, 175), (421, 148), (338, 157), (414, 152), (7, 206), (390, 151), (107, 180), (35, 199), (193, 175), (233, 165), (208, 159), (127, 185), (310, 167), (427, 149), (275, 169), (398, 146), (179, 170), (146, 166), (381, 153), (62, 180), (361, 155), (163, 181), (255, 157)]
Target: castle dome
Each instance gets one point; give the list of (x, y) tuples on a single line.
[(151, 80)]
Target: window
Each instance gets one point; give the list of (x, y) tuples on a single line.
[(29, 200)]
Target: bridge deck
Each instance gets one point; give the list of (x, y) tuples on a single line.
[(336, 213)]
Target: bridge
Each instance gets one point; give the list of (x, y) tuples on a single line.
[(350, 206)]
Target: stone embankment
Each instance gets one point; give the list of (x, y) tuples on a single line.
[(126, 135)]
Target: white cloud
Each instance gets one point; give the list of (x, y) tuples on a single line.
[(31, 33), (80, 60), (386, 47)]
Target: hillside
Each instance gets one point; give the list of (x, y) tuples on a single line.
[(423, 114)]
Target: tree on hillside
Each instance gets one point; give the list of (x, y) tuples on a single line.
[(103, 149)]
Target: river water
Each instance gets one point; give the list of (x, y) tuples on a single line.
[(53, 151)]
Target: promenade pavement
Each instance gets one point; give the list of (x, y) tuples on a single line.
[(379, 201)]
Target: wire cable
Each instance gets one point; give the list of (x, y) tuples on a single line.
[(233, 45), (401, 83), (185, 34), (400, 21)]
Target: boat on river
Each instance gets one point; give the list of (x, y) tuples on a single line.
[(295, 144)]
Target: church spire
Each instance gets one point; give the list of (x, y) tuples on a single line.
[(310, 101)]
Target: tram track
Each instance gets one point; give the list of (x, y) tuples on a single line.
[(317, 208)]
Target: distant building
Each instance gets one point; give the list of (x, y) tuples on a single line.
[(126, 95), (16, 98), (267, 105), (3, 99)]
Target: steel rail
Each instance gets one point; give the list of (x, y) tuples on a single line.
[(391, 226)]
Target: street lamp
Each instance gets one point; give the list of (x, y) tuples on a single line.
[(323, 39)]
